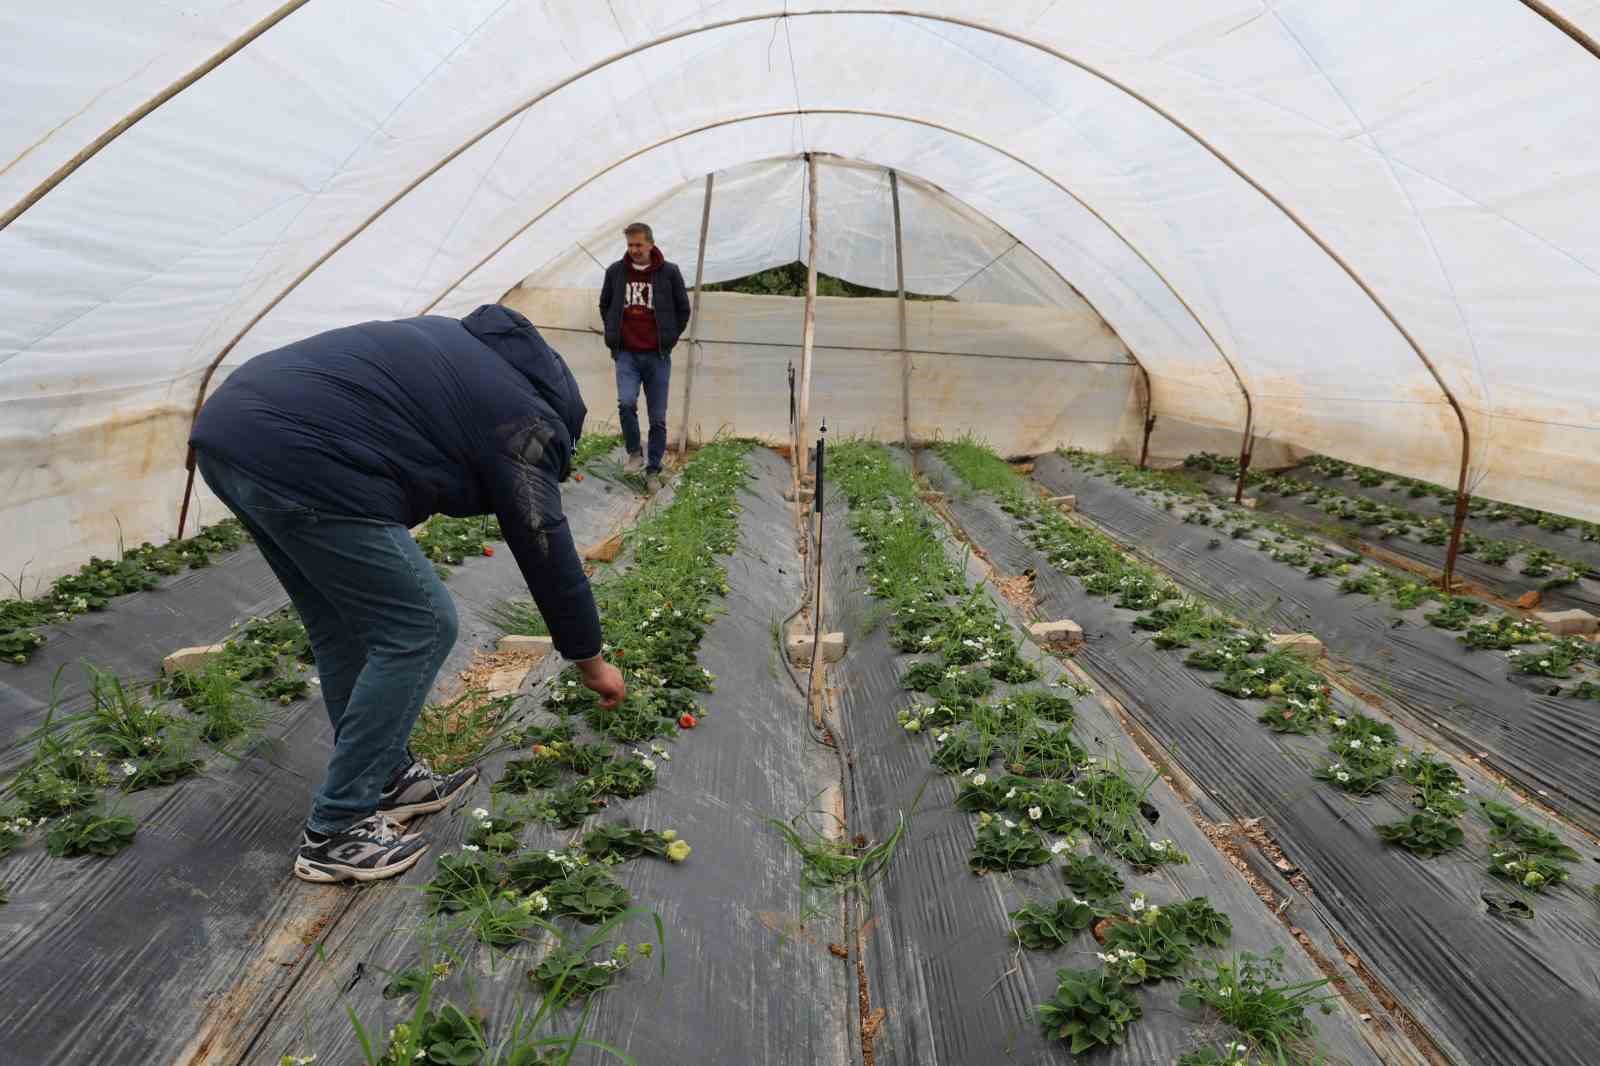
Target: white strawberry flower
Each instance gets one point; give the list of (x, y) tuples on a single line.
[(480, 813), (1035, 813)]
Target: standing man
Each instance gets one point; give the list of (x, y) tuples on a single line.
[(645, 308), (328, 450)]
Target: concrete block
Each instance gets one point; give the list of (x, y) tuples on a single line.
[(832, 648), (518, 644), (1301, 645), (1066, 503), (1065, 631), (1573, 623), (190, 658)]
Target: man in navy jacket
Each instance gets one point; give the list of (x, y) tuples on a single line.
[(328, 450), (645, 308)]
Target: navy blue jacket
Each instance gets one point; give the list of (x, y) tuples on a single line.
[(672, 305), (396, 421)]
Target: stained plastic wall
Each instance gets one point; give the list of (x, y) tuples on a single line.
[(1443, 149)]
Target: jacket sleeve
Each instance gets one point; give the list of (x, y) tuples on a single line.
[(527, 498), (605, 294), (680, 299)]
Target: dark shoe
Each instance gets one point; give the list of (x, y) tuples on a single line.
[(653, 480), (370, 850), (421, 791)]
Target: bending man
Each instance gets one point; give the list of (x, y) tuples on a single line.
[(328, 450)]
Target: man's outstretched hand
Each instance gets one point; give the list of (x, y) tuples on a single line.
[(604, 680)]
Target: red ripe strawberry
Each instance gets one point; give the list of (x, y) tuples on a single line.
[(488, 550), (686, 720)]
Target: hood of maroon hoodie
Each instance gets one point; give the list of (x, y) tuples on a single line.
[(656, 259)]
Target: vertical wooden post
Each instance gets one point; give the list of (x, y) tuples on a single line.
[(694, 320), (808, 334), (900, 306), (1149, 418), (1245, 451), (1447, 579)]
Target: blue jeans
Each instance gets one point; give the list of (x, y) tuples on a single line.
[(380, 623), (654, 372)]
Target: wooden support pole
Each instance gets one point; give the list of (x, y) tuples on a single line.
[(1149, 417), (1244, 459), (1447, 580), (900, 307), (809, 333), (694, 320)]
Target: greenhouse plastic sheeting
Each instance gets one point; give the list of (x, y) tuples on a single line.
[(1016, 360), (1419, 926), (385, 151)]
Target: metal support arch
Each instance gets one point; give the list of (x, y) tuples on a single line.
[(1086, 67)]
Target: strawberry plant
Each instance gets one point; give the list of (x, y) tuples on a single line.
[(1043, 926), (567, 806), (589, 894), (90, 832), (1529, 869), (619, 842), (1159, 940), (1556, 660), (1090, 1009), (1508, 826), (573, 976), (1093, 877), (1003, 844), (1425, 832)]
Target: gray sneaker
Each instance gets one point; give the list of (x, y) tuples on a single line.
[(633, 463), (653, 482), (421, 791), (370, 850)]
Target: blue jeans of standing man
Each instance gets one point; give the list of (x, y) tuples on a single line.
[(380, 623), (654, 372)]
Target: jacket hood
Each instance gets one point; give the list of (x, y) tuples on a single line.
[(516, 341), (656, 258)]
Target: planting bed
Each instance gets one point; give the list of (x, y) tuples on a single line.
[(1481, 988), (853, 894), (1504, 549), (1466, 699), (180, 947), (940, 958)]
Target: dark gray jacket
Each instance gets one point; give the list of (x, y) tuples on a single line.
[(672, 303)]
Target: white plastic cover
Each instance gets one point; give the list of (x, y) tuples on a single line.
[(1445, 148)]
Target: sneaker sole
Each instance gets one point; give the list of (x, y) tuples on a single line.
[(407, 811), (324, 873)]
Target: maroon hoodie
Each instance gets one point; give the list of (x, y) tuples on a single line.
[(639, 305)]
